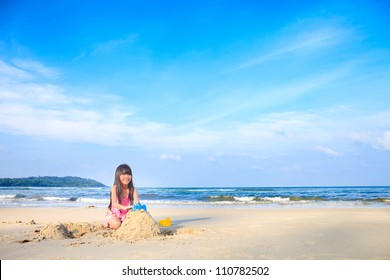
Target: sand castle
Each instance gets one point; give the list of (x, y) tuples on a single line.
[(137, 225)]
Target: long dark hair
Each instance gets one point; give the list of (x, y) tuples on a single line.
[(120, 170)]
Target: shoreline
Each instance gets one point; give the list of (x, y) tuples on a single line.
[(214, 197), (204, 234), (209, 206)]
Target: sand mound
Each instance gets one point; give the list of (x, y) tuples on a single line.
[(138, 225), (78, 230), (55, 231), (68, 230)]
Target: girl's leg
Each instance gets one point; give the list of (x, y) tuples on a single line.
[(114, 222)]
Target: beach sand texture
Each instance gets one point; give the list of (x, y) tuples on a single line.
[(197, 233)]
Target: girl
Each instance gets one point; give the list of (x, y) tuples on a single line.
[(123, 196)]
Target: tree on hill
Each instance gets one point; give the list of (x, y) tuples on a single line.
[(50, 181)]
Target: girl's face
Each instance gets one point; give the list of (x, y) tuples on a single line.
[(125, 179)]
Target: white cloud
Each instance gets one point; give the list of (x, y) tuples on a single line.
[(257, 168), (211, 159), (328, 151), (384, 142), (65, 124), (277, 95), (36, 68), (33, 108), (303, 37), (8, 71), (110, 46), (293, 167), (170, 157), (43, 109), (378, 140)]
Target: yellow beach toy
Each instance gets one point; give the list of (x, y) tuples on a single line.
[(165, 223)]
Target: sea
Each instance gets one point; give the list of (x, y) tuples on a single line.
[(203, 197)]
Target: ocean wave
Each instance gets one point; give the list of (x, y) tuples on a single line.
[(276, 199), (272, 203), (150, 196), (211, 190), (5, 188), (204, 197), (12, 196), (245, 199), (7, 196), (52, 198), (229, 198), (257, 199), (379, 199), (56, 198), (217, 198), (305, 198), (78, 199), (94, 200)]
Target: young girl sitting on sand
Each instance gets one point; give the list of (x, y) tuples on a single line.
[(123, 196)]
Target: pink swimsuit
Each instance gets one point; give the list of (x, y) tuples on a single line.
[(119, 213)]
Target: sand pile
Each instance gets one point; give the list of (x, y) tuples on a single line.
[(68, 230), (78, 230), (137, 225), (55, 231)]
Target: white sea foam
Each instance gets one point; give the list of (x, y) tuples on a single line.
[(202, 197), (244, 199), (211, 190), (277, 199), (55, 198), (94, 200), (7, 196)]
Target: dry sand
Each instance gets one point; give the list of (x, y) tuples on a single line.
[(199, 234), (138, 225)]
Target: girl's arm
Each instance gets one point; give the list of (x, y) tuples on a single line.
[(114, 200)]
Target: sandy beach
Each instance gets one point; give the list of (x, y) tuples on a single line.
[(200, 234)]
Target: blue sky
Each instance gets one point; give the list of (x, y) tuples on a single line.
[(197, 93)]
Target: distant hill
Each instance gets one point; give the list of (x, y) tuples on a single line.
[(50, 181)]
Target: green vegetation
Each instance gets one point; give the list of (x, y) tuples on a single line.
[(50, 181)]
